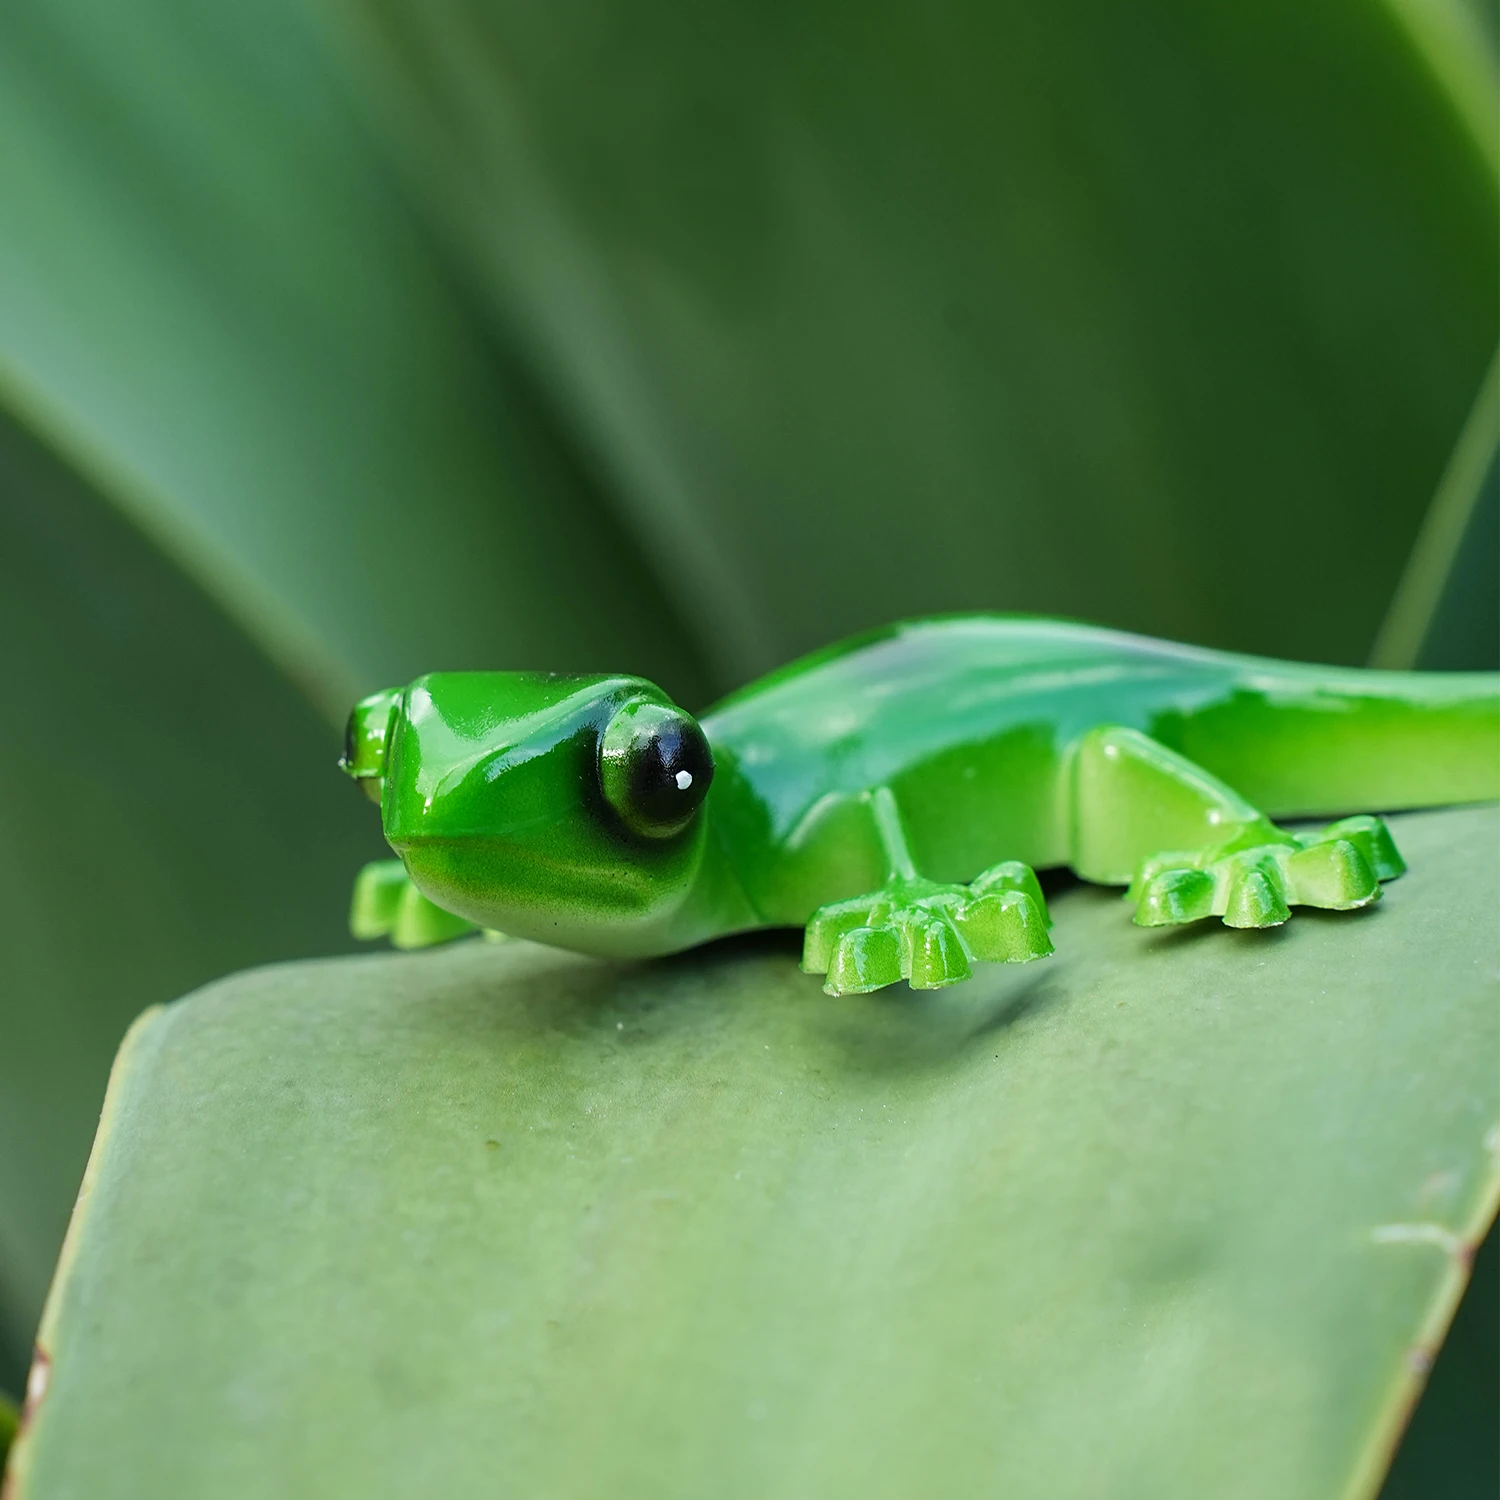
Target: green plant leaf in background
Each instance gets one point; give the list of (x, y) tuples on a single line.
[(9, 1419), (1115, 311), (214, 302), (1445, 614), (216, 309), (1164, 1216)]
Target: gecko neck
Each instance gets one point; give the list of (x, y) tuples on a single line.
[(715, 904)]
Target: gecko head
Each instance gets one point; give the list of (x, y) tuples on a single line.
[(566, 809)]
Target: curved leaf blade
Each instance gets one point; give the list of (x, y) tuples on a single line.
[(1163, 1216)]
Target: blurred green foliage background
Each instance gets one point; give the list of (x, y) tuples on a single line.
[(342, 342)]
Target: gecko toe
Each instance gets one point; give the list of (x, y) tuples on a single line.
[(421, 923), (1004, 926), (387, 904), (1333, 874), (1171, 896), (378, 889), (1254, 892), (1012, 875), (937, 956), (1373, 840), (827, 929), (864, 959), (1336, 869)]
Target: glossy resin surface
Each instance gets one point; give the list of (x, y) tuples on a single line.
[(893, 793)]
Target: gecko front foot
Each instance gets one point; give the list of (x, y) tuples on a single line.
[(1338, 868), (928, 933), (387, 904)]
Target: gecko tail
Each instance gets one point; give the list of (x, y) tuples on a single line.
[(1318, 741)]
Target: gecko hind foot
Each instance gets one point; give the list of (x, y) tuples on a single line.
[(1337, 868), (928, 933), (386, 904)]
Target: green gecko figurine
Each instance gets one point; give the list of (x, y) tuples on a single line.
[(867, 792)]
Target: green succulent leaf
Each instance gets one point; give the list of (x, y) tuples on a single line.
[(1163, 1215), (1449, 1452)]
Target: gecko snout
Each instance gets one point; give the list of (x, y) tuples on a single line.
[(365, 738)]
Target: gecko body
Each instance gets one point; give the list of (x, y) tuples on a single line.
[(893, 794)]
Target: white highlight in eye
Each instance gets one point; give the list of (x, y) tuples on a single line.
[(684, 780)]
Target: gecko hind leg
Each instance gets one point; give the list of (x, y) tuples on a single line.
[(385, 903), (928, 933), (1132, 796), (1337, 868)]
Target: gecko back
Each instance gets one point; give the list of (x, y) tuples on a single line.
[(941, 745)]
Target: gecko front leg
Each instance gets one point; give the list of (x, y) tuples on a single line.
[(1189, 847), (924, 931), (386, 904)]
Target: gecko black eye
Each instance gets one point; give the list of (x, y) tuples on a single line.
[(655, 767)]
